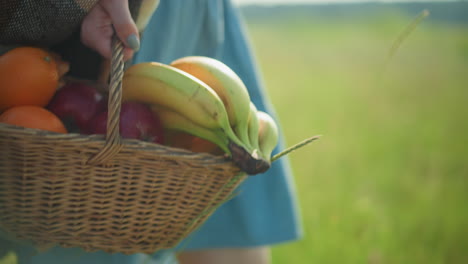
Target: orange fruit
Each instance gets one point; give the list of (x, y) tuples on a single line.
[(201, 145), (28, 76), (183, 140), (32, 116), (177, 139)]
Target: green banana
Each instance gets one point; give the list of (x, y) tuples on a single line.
[(253, 127), (227, 84), (172, 120), (268, 134), (160, 84)]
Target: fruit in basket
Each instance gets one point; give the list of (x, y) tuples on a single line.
[(177, 139), (174, 121), (28, 76), (267, 133), (201, 145), (62, 68), (76, 104), (227, 85), (137, 121), (163, 85), (31, 116), (180, 139), (166, 86)]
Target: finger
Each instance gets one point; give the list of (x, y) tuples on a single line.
[(97, 38), (128, 54), (122, 21)]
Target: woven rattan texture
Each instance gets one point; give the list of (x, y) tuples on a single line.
[(96, 192), (147, 197)]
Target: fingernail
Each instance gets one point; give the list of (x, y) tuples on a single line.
[(133, 42)]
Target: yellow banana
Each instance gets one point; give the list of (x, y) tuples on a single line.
[(268, 134), (174, 121), (160, 84), (227, 84)]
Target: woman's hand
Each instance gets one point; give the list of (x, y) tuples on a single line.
[(98, 28)]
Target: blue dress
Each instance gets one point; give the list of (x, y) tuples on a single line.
[(264, 212)]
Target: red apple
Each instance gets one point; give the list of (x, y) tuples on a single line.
[(76, 104), (137, 121)]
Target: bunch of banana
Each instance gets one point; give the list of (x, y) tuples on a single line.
[(204, 97)]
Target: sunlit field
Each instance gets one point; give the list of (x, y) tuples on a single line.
[(388, 181)]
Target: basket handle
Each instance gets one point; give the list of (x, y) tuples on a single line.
[(113, 142)]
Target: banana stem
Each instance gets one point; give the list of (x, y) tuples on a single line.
[(246, 162), (295, 147), (229, 132)]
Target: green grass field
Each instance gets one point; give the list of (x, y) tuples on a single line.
[(388, 181)]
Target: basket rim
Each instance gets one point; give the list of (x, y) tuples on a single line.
[(131, 144)]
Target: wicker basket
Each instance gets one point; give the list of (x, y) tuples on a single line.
[(104, 192)]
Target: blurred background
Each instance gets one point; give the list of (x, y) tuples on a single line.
[(387, 87)]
